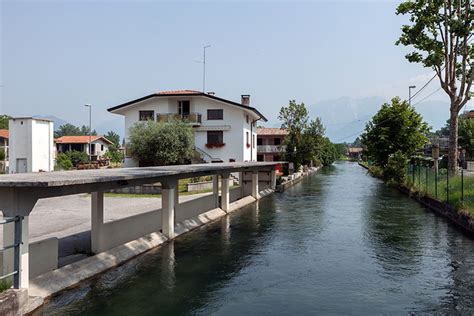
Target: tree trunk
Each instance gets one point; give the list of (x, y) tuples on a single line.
[(453, 142)]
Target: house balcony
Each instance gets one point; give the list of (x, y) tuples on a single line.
[(192, 118), (271, 148)]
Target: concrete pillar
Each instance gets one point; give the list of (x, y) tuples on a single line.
[(273, 179), (215, 190), (255, 184), (241, 183), (225, 192), (168, 202), (97, 221), (23, 250)]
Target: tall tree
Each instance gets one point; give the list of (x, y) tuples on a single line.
[(441, 32), (114, 138), (396, 127), (4, 121), (72, 130)]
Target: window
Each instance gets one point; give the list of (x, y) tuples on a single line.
[(259, 141), (247, 139), (259, 157), (277, 141), (215, 137), (102, 147), (146, 115), (247, 118), (215, 114), (184, 108)]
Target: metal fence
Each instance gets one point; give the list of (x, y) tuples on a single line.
[(16, 246), (457, 190)]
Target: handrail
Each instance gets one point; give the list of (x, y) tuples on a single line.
[(202, 152), (16, 246)]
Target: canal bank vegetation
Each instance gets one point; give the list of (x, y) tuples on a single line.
[(394, 134), (306, 143)]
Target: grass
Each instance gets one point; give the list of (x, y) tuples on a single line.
[(455, 190), (4, 285)]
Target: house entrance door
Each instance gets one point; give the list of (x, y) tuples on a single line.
[(184, 108), (21, 165)]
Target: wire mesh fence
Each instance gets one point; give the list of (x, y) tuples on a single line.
[(457, 190)]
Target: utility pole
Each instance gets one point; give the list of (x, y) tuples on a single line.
[(409, 93), (204, 69), (90, 130)]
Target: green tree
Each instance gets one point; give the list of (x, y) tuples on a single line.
[(395, 127), (440, 33), (4, 121), (115, 156), (341, 149), (328, 153), (72, 130), (63, 162), (85, 131), (114, 138), (158, 143), (2, 154)]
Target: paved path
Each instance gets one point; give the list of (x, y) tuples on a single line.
[(67, 215)]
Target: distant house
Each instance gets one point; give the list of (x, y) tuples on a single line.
[(99, 145), (355, 152), (270, 143), (224, 130)]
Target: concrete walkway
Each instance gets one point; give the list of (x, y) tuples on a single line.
[(67, 215)]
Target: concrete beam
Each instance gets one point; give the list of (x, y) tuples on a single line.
[(273, 179), (97, 221), (225, 198), (168, 207), (215, 189), (255, 184)]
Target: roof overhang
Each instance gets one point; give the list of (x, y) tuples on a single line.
[(115, 109)]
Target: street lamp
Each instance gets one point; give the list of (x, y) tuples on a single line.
[(90, 130), (409, 93), (204, 69)]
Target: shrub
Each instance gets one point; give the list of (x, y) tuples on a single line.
[(2, 154), (114, 155), (395, 170), (63, 162)]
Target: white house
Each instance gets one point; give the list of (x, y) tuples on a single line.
[(30, 145), (99, 145), (225, 130)]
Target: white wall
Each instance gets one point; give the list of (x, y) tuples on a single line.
[(234, 125), (32, 140)]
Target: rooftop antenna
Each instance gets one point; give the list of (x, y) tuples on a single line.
[(204, 69)]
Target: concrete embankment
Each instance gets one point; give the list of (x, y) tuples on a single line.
[(458, 217)]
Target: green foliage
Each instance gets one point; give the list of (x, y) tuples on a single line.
[(77, 157), (114, 138), (72, 130), (2, 154), (395, 127), (395, 170), (440, 32), (305, 141), (376, 171), (4, 121), (341, 149), (5, 285), (63, 162), (115, 156), (328, 153), (158, 143)]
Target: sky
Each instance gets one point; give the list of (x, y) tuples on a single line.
[(57, 56)]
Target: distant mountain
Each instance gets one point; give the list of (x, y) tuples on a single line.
[(345, 118)]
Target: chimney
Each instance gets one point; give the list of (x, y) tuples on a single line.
[(245, 99), (211, 93)]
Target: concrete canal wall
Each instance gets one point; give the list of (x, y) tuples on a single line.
[(119, 240), (456, 216)]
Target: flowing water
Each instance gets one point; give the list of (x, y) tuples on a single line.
[(339, 242)]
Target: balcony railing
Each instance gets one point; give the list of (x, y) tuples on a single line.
[(271, 148), (193, 118)]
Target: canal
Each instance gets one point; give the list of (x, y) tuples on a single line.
[(338, 242)]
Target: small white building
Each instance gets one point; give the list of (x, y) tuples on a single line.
[(225, 131), (31, 146), (99, 145)]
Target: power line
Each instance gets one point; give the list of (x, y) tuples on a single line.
[(429, 95), (422, 88)]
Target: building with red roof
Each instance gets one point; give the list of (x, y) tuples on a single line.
[(99, 145), (270, 143)]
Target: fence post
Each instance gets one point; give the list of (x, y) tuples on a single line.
[(413, 174), (447, 186), (436, 182), (419, 176), (462, 185), (426, 176)]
